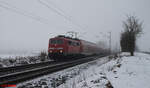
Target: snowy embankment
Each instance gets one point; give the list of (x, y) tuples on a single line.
[(17, 60), (68, 78), (122, 71), (134, 72)]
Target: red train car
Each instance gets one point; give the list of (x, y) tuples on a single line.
[(62, 46)]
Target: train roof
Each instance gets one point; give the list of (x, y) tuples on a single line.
[(83, 41), (88, 43), (63, 36)]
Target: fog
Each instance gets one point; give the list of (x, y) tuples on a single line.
[(27, 25)]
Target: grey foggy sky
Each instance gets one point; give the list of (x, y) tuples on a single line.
[(19, 32)]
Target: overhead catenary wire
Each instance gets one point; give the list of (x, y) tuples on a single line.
[(35, 17), (22, 12), (61, 13), (64, 13), (55, 6)]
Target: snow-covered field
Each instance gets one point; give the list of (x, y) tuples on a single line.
[(8, 60), (5, 56), (14, 55)]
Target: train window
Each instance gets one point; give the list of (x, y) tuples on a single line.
[(73, 43), (70, 42), (78, 44), (56, 41), (53, 42), (59, 41)]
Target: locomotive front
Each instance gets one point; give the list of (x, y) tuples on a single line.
[(57, 47)]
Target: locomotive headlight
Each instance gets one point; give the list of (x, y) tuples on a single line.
[(61, 51), (50, 51)]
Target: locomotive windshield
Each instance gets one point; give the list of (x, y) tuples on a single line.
[(56, 41)]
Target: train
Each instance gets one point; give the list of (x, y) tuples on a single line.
[(62, 47)]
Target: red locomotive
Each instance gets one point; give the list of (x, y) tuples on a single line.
[(62, 46)]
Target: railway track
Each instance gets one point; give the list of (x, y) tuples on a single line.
[(14, 75), (8, 70)]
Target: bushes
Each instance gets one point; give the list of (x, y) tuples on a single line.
[(43, 56), (132, 29)]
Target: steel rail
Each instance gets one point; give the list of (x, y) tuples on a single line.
[(8, 70), (21, 76)]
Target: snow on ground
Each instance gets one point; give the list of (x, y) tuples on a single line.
[(134, 72), (21, 59), (13, 55), (69, 78), (13, 59), (122, 71)]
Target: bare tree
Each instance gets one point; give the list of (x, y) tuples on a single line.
[(132, 28)]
